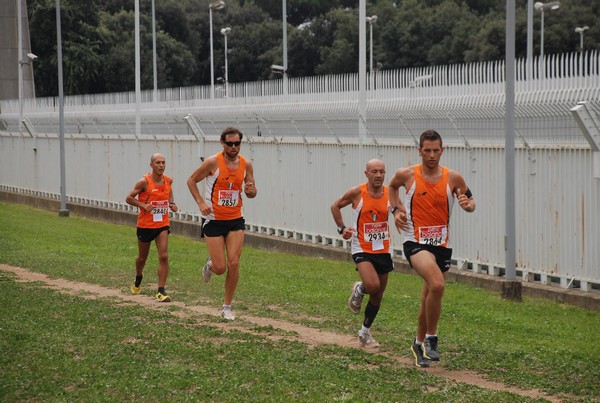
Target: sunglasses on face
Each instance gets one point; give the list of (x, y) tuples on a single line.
[(232, 143)]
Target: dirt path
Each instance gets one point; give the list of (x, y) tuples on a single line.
[(310, 336)]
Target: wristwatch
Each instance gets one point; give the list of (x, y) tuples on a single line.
[(341, 229)]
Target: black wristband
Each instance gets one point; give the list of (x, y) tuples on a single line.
[(341, 229), (394, 210)]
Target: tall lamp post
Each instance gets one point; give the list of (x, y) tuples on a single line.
[(540, 8), (20, 61), (63, 211), (155, 80), (217, 5), (225, 31), (285, 56), (529, 39), (580, 31), (371, 20)]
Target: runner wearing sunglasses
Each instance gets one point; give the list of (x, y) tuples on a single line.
[(227, 175)]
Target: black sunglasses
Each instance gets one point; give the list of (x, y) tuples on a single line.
[(233, 143)]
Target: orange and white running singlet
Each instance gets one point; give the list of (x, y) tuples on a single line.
[(428, 209), (224, 190), (158, 197), (370, 217)]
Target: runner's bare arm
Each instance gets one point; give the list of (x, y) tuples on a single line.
[(209, 165), (349, 197), (249, 185), (400, 179), (132, 199), (462, 191), (172, 204)]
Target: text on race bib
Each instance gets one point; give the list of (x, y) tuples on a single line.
[(376, 233), (228, 198), (435, 235), (160, 209)]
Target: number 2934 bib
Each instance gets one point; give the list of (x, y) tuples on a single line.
[(376, 233)]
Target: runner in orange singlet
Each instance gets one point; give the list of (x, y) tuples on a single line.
[(430, 192), (227, 175), (153, 195), (370, 243)]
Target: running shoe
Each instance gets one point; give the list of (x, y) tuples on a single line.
[(420, 360), (227, 314), (136, 290), (355, 300), (162, 297), (431, 351), (366, 339), (206, 272)]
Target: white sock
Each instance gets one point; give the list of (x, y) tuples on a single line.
[(364, 329), (430, 335), (228, 307)]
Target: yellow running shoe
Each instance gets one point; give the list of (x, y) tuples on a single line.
[(136, 290), (162, 298)]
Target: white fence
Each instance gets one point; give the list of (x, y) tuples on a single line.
[(306, 151)]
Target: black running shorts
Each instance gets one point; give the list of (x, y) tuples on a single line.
[(150, 234), (443, 256), (214, 228), (382, 262)]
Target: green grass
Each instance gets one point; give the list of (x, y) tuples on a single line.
[(59, 347)]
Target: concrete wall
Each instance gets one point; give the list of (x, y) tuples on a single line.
[(189, 229)]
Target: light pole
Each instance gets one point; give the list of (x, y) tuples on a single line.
[(371, 20), (63, 211), (29, 62), (540, 8), (529, 39), (155, 80), (580, 31), (217, 5), (362, 76), (138, 74), (225, 31), (20, 61), (285, 56)]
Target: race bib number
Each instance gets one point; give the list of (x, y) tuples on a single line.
[(376, 233), (229, 198), (433, 235), (159, 210)]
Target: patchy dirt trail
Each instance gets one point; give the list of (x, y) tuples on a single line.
[(307, 335)]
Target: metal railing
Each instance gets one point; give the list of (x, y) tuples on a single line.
[(306, 150)]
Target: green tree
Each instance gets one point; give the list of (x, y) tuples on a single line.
[(303, 51), (98, 38), (406, 37), (81, 45), (254, 48), (489, 42), (450, 30)]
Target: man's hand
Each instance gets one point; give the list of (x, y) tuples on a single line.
[(463, 200), (400, 219), (347, 232), (205, 209), (249, 189)]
